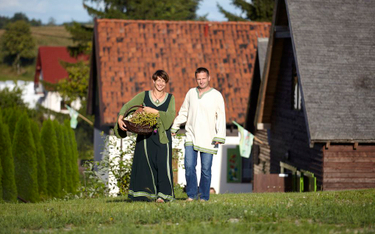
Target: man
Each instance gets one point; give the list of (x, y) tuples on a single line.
[(203, 111)]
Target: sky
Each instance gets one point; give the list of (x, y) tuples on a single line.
[(68, 10)]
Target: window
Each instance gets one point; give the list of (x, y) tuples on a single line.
[(296, 90)]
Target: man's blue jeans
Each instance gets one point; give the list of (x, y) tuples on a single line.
[(191, 175)]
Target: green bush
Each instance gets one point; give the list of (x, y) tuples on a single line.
[(74, 160), (8, 181), (69, 158), (25, 164), (61, 146), (13, 117), (41, 159), (53, 169)]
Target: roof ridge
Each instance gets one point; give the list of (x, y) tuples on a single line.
[(181, 21)]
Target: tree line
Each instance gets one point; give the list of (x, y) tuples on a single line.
[(38, 156), (4, 20)]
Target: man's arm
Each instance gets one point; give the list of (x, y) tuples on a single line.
[(182, 115), (220, 127)]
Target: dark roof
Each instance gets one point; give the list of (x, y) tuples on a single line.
[(128, 52), (335, 52), (48, 62), (334, 49)]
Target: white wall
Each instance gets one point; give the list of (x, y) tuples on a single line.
[(219, 171)]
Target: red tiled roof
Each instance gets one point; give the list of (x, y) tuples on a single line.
[(48, 62), (128, 52)]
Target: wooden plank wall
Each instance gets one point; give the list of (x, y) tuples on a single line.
[(289, 138), (262, 164), (346, 168)]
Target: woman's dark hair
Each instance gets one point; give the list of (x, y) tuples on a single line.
[(201, 70), (162, 74)]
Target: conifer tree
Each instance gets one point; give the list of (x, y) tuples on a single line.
[(13, 117), (74, 160), (41, 160), (69, 158), (25, 164), (8, 181), (255, 10), (61, 146), (49, 143)]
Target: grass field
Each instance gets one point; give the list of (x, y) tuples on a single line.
[(320, 212), (44, 36)]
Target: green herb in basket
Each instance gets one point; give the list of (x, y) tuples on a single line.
[(144, 119)]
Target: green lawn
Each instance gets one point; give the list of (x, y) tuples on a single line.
[(320, 212)]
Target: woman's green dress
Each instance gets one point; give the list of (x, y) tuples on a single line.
[(152, 174)]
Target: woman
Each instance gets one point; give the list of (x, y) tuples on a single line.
[(152, 175)]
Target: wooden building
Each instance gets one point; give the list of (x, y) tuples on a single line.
[(317, 94)]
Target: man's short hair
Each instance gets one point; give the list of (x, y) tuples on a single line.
[(162, 74), (202, 70)]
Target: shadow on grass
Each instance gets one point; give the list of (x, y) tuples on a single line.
[(129, 200)]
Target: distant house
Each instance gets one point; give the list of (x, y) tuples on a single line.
[(317, 96), (126, 53), (49, 70)]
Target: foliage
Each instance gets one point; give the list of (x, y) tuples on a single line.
[(256, 10), (320, 212), (18, 16), (1, 167), (81, 36), (69, 157), (25, 162), (49, 143), (61, 148), (11, 98), (144, 119), (76, 85), (12, 121), (41, 159), (17, 43), (74, 160), (144, 9), (8, 182)]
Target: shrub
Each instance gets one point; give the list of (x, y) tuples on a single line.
[(25, 163), (68, 159), (74, 160), (41, 159), (53, 169), (8, 181), (61, 146)]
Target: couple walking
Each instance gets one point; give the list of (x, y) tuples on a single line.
[(203, 113)]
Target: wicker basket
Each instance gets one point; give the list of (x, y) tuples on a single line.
[(138, 129)]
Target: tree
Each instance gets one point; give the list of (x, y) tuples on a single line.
[(17, 43), (8, 181), (12, 120), (25, 163), (144, 9), (19, 16), (41, 159), (4, 21), (81, 36), (75, 86), (69, 157), (256, 10), (74, 160), (11, 98), (49, 143), (61, 146), (51, 21)]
